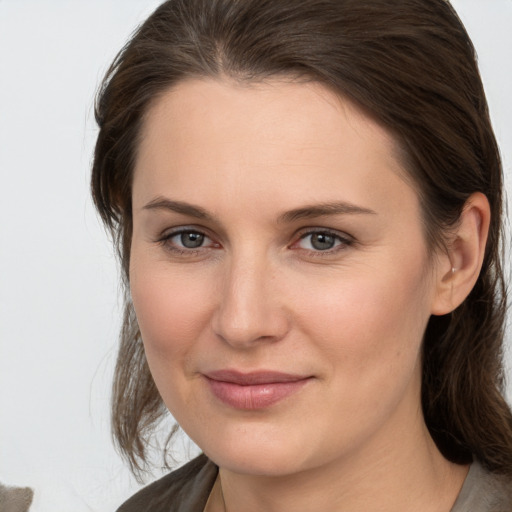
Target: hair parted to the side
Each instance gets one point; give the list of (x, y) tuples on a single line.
[(411, 65)]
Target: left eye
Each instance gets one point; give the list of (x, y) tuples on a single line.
[(320, 241)]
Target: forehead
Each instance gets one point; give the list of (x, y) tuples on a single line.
[(211, 138), (266, 109)]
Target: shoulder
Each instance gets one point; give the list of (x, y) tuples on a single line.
[(186, 489), (484, 491)]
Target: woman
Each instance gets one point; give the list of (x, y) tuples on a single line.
[(307, 198)]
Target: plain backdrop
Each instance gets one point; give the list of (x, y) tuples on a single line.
[(59, 300)]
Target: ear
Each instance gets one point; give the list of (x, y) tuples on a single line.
[(459, 267)]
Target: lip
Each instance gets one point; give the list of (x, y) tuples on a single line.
[(254, 390)]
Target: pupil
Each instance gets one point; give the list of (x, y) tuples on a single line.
[(192, 240), (322, 241)]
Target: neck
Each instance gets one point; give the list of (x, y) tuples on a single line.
[(406, 473)]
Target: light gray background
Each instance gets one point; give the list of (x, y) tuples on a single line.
[(59, 305)]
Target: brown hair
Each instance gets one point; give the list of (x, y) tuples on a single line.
[(411, 65)]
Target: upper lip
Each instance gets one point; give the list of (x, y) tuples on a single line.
[(254, 377)]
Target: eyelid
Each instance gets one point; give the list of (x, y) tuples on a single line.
[(342, 235), (177, 230), (167, 235), (345, 239)]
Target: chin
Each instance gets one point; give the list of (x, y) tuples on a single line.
[(258, 453), (258, 462)]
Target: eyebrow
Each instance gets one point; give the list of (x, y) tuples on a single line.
[(161, 203), (323, 209), (304, 212)]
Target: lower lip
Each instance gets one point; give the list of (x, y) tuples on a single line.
[(255, 396)]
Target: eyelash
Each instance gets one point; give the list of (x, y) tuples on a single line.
[(165, 241), (343, 241)]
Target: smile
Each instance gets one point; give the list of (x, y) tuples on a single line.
[(255, 390)]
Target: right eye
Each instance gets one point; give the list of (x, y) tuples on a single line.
[(187, 241)]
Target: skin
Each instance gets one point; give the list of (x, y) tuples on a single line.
[(258, 294)]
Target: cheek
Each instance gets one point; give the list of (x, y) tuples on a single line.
[(373, 320), (368, 331), (172, 310)]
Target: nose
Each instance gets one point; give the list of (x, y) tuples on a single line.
[(250, 308)]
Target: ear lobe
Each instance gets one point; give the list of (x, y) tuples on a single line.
[(459, 268)]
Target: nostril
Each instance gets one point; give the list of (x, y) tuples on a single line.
[(247, 327), (248, 309)]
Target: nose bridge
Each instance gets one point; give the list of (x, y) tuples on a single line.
[(249, 308)]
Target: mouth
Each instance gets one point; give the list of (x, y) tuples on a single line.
[(254, 390)]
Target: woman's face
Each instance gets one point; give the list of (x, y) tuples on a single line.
[(279, 274)]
